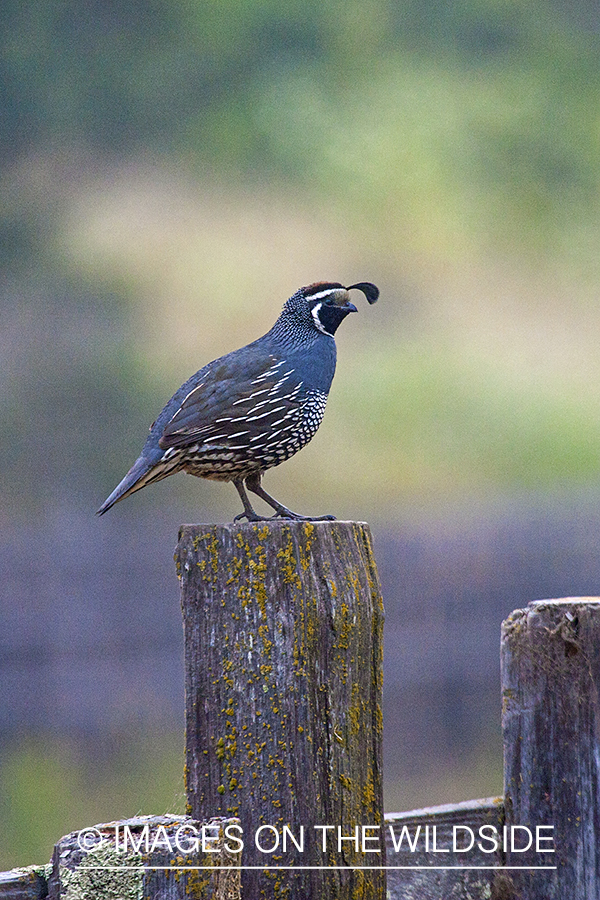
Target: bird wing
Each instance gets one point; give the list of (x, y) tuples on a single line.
[(236, 397)]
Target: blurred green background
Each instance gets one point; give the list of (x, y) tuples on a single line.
[(172, 170)]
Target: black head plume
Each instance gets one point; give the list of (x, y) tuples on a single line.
[(370, 291)]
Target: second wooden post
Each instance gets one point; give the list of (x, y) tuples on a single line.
[(283, 630), (551, 725)]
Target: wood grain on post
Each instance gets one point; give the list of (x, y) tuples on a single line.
[(451, 828), (551, 733), (283, 628)]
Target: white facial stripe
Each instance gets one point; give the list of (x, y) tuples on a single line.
[(315, 315), (322, 294)]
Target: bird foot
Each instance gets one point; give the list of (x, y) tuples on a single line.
[(288, 514), (283, 514), (251, 517)]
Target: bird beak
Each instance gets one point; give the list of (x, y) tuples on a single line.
[(341, 300)]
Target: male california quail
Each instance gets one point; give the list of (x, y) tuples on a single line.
[(254, 408)]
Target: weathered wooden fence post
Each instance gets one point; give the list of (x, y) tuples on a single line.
[(283, 629), (551, 726)]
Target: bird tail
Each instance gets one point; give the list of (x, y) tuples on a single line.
[(144, 471)]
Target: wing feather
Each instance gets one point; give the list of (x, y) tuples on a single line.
[(234, 400)]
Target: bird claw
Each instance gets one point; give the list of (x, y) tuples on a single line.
[(251, 517)]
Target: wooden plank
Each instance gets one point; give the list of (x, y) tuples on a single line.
[(437, 835), (283, 628), (147, 858), (551, 733), (24, 884)]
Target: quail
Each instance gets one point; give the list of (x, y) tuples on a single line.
[(253, 408)]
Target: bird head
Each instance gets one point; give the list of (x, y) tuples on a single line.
[(328, 302)]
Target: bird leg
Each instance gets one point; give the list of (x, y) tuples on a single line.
[(253, 484), (249, 513)]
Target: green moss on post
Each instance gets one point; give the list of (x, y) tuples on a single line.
[(283, 628)]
